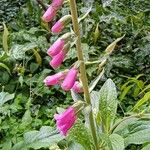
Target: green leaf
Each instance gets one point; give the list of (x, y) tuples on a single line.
[(96, 33), (75, 146), (146, 88), (95, 81), (20, 146), (142, 100), (80, 134), (125, 92), (18, 51), (5, 38), (42, 139), (7, 145), (38, 57), (95, 100), (21, 80), (147, 147), (5, 97), (5, 67), (85, 15), (26, 119), (75, 96), (123, 124), (108, 104), (139, 137), (117, 142)]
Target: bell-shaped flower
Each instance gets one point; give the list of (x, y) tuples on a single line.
[(49, 14), (77, 87), (65, 120), (54, 79), (69, 79), (58, 59), (57, 3), (56, 47)]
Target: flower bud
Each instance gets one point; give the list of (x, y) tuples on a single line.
[(56, 47), (69, 79), (66, 37), (60, 24), (49, 14), (78, 106), (57, 3), (77, 87), (54, 79), (58, 59)]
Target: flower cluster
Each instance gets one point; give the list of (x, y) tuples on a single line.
[(67, 79)]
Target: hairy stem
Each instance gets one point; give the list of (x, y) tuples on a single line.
[(84, 79)]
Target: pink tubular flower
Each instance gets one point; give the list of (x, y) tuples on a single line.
[(54, 79), (57, 3), (56, 47), (60, 24), (65, 120), (57, 60), (58, 27), (69, 79), (77, 87), (49, 14)]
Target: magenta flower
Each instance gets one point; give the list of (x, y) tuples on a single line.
[(58, 27), (56, 47), (69, 79), (54, 79), (57, 60), (57, 3), (77, 87), (65, 120), (60, 24), (49, 14)]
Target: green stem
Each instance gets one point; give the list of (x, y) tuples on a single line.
[(84, 79)]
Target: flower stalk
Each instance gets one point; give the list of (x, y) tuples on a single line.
[(82, 68)]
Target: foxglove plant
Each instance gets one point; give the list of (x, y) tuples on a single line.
[(56, 51), (100, 108)]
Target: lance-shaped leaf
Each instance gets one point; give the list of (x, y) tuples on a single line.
[(95, 81), (111, 47), (108, 104), (142, 100), (5, 67), (5, 38)]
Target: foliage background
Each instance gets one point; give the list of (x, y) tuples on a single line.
[(33, 104)]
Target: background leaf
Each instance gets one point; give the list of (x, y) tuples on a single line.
[(5, 97), (108, 104)]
